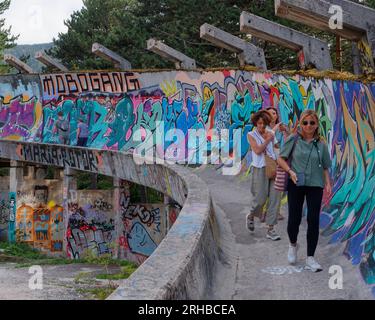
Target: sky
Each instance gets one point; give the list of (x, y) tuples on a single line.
[(39, 21)]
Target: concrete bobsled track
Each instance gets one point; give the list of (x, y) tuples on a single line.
[(190, 248), (118, 105)]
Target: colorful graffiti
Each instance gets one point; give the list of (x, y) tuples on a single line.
[(143, 228), (4, 215), (116, 106), (41, 227), (350, 213), (365, 52), (89, 232)]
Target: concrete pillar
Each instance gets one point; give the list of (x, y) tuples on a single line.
[(311, 50), (48, 61), (31, 172), (69, 196), (181, 60), (107, 54), (357, 69), (117, 211), (15, 177), (17, 63)]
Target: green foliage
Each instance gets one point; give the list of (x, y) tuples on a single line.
[(124, 26), (125, 273), (6, 38), (21, 250), (101, 293), (4, 172)]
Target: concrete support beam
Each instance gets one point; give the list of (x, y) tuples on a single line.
[(358, 20), (17, 63), (357, 69), (247, 52), (315, 51), (107, 54), (117, 210), (15, 180), (69, 196), (181, 60), (50, 62)]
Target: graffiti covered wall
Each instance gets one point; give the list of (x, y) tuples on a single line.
[(4, 208), (116, 105)]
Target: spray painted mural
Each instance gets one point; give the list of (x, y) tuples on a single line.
[(39, 219), (91, 225), (4, 214), (116, 105), (144, 227)]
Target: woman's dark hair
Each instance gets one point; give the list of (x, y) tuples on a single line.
[(274, 109), (262, 114)]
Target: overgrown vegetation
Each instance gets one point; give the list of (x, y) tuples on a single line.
[(26, 256), (100, 293)]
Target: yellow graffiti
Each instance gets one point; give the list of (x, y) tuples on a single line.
[(367, 61), (169, 88), (51, 204)]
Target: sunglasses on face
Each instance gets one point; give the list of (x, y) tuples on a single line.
[(311, 123)]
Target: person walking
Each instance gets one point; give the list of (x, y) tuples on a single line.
[(62, 129), (261, 141), (309, 176), (281, 132), (82, 133)]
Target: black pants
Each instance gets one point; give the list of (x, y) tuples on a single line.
[(82, 142), (296, 197)]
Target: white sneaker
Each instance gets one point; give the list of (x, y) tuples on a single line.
[(292, 254), (312, 265)]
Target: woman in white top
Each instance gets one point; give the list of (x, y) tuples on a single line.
[(261, 141), (281, 132)]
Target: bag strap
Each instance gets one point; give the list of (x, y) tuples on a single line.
[(295, 138)]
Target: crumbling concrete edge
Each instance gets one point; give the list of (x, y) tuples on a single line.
[(184, 264)]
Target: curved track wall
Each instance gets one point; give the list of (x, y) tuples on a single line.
[(115, 105)]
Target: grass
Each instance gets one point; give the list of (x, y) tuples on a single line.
[(101, 293), (26, 256), (125, 273)]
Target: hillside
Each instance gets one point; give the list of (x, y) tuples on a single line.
[(21, 50)]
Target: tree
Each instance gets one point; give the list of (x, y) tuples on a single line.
[(7, 41), (124, 26)]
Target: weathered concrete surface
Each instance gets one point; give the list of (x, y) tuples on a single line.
[(60, 282), (358, 19), (247, 52), (183, 265), (248, 260), (181, 60), (107, 54), (315, 50), (17, 63), (48, 61)]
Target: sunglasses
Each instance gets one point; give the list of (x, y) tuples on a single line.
[(311, 123)]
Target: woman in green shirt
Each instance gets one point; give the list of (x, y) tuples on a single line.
[(308, 177)]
